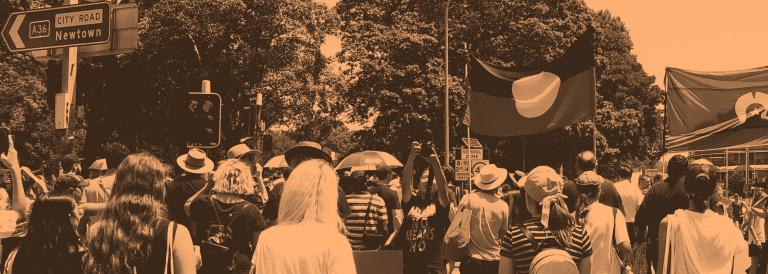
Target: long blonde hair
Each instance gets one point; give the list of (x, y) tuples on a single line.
[(123, 238), (310, 195), (233, 177)]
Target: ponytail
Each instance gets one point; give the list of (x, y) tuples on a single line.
[(560, 221), (587, 196)]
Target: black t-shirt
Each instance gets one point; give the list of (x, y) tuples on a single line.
[(662, 199), (736, 209), (177, 194), (424, 227), (245, 220), (391, 201), (608, 195)]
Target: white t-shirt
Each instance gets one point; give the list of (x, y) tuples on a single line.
[(631, 198), (706, 243), (303, 249), (487, 225), (600, 225)]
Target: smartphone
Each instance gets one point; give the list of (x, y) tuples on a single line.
[(427, 149)]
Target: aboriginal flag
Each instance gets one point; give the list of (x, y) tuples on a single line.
[(505, 102)]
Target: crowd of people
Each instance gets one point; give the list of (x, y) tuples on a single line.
[(136, 214)]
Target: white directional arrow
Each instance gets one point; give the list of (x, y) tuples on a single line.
[(15, 32)]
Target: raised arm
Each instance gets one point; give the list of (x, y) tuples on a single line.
[(11, 160), (442, 194), (407, 181)]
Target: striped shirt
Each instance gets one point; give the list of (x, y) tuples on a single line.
[(516, 245), (356, 220)]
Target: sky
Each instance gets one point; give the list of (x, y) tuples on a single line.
[(702, 35)]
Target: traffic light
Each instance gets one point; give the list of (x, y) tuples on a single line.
[(202, 116)]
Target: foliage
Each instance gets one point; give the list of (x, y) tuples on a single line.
[(394, 53)]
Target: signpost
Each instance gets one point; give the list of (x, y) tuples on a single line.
[(66, 26), (468, 168)]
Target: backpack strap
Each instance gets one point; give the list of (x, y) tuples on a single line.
[(169, 267), (536, 245)]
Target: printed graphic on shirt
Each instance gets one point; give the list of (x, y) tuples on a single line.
[(420, 232)]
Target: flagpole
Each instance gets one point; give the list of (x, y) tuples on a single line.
[(727, 189), (469, 121), (447, 146), (594, 116)]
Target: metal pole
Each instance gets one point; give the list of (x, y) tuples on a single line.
[(594, 117), (525, 167), (746, 165), (469, 121), (447, 146), (726, 171)]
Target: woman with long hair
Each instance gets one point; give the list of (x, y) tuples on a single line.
[(606, 226), (308, 237), (226, 210), (551, 226), (133, 235), (52, 243), (696, 239), (426, 212)]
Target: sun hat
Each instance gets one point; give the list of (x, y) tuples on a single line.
[(490, 177), (543, 181), (309, 148), (195, 161), (100, 164), (240, 150), (589, 178)]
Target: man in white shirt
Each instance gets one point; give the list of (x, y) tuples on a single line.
[(631, 198)]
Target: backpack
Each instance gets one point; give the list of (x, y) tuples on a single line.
[(218, 246), (549, 260)]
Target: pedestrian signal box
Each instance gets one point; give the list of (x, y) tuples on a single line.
[(202, 119)]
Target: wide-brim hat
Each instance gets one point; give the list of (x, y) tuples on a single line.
[(490, 177), (195, 161), (241, 150), (541, 182), (308, 148)]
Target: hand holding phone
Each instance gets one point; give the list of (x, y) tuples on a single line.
[(10, 158)]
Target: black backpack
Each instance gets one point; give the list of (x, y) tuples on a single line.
[(218, 247)]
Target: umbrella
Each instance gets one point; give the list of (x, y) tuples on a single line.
[(365, 160), (276, 162), (100, 164)]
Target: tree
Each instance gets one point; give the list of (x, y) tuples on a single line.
[(394, 54)]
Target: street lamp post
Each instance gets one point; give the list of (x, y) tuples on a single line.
[(447, 146)]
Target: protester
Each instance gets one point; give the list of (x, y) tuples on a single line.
[(368, 215), (133, 235), (381, 178), (52, 243), (97, 169), (426, 212), (20, 209), (756, 232), (488, 221), (196, 166), (631, 197), (662, 199), (225, 215), (307, 238), (586, 161), (696, 239), (251, 158), (737, 210), (551, 227), (606, 226), (303, 151), (70, 164), (99, 189)]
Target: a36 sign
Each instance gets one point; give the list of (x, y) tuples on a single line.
[(66, 26)]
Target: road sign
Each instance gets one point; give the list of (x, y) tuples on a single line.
[(57, 27), (471, 142), (124, 37), (472, 154), (463, 168)]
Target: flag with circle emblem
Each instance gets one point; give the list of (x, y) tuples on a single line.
[(505, 102)]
